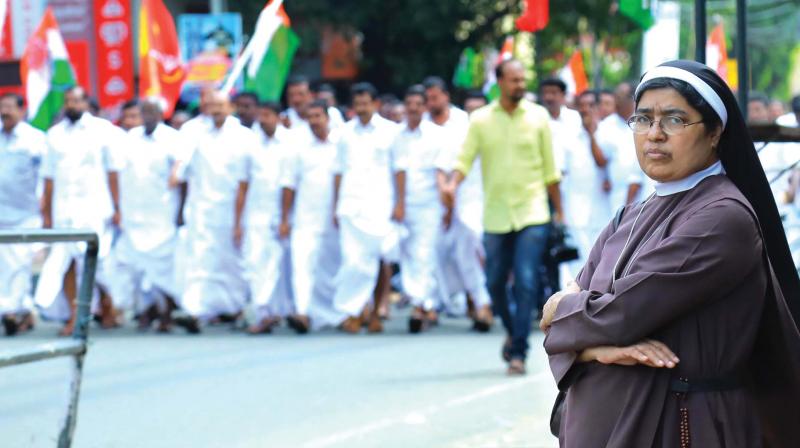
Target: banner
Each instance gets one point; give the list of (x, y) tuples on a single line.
[(114, 51), (209, 43)]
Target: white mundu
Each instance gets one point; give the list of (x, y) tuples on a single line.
[(314, 240), (461, 248), (587, 207), (266, 256), (79, 157), (21, 152), (367, 163), (423, 218), (145, 251), (219, 160)]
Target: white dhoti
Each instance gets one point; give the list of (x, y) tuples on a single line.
[(49, 297), (214, 278), (144, 275), (358, 274), (15, 273), (419, 264), (462, 254), (315, 262), (268, 265)]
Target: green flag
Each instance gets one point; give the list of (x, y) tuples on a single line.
[(637, 10), (271, 74)]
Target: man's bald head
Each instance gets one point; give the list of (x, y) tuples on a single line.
[(218, 107)]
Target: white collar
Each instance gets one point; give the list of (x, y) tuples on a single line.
[(689, 182)]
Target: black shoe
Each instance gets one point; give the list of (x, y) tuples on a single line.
[(505, 352), (415, 325), (188, 323), (299, 324), (10, 324)]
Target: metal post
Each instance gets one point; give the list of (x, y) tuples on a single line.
[(700, 31), (741, 55), (81, 333)]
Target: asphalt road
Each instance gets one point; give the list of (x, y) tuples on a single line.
[(444, 388)]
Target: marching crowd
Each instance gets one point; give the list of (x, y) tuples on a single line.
[(304, 214)]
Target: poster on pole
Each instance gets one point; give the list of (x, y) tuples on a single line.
[(210, 44)]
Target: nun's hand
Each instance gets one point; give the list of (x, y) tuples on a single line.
[(549, 310), (649, 352)]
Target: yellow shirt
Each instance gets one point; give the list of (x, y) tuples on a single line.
[(516, 156)]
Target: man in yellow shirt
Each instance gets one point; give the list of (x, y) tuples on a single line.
[(512, 138)]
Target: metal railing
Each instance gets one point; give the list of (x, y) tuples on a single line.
[(77, 345)]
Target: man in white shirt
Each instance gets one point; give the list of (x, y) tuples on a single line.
[(461, 251), (307, 221), (218, 176), (21, 150), (266, 255), (586, 201), (80, 191), (564, 122), (628, 181), (421, 143), (369, 196), (145, 251), (299, 96)]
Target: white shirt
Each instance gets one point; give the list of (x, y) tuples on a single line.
[(309, 171), (264, 193), (79, 157), (789, 120), (615, 139), (564, 127), (469, 199), (586, 204), (21, 153), (149, 206), (219, 159), (421, 148), (367, 161)]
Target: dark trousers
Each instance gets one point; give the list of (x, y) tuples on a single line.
[(520, 253)]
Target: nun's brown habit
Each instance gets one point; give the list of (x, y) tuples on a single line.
[(708, 272)]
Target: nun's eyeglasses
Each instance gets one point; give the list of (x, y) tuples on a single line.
[(671, 124)]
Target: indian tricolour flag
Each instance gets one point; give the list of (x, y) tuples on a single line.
[(267, 58), (46, 72)]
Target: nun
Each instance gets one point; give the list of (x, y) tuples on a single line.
[(679, 330)]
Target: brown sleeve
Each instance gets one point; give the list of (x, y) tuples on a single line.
[(586, 273), (695, 265)]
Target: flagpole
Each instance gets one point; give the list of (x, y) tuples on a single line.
[(700, 31), (741, 55)]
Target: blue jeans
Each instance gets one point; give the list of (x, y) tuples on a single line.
[(519, 252)]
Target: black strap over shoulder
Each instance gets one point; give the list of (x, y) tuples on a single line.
[(617, 218)]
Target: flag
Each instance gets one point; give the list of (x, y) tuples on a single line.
[(490, 87), (535, 15), (469, 71), (160, 66), (717, 52), (639, 11), (268, 55), (46, 72), (4, 35), (574, 74)]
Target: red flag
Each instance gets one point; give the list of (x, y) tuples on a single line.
[(160, 65), (535, 16), (717, 53)]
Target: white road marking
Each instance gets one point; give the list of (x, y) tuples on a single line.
[(423, 415)]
